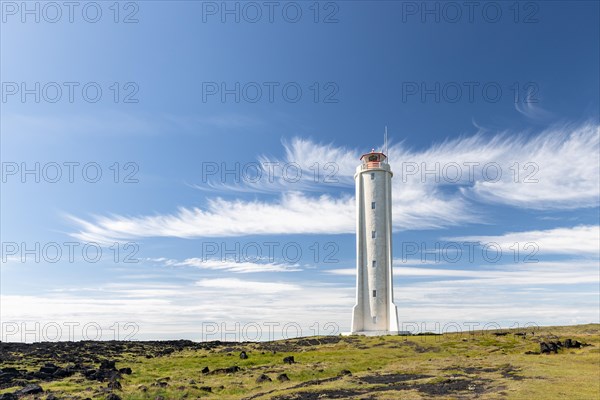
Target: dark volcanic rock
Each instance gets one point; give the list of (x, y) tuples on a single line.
[(205, 370), (10, 371), (63, 373), (228, 370), (283, 378), (108, 364), (206, 388), (263, 378), (289, 360), (243, 355), (8, 396), (114, 385), (102, 375), (113, 396), (345, 372), (547, 348), (54, 361), (48, 368), (572, 344), (29, 389)]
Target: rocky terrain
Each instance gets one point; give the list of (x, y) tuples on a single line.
[(550, 362)]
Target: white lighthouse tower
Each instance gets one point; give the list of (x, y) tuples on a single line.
[(374, 312)]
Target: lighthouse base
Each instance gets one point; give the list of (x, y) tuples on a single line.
[(376, 333), (363, 326)]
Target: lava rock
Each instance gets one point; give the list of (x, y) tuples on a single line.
[(115, 385), (29, 389), (113, 396), (243, 355), (125, 371), (107, 364), (289, 360), (10, 371), (48, 368), (63, 373), (572, 344), (283, 378), (206, 388), (345, 372), (228, 370), (544, 348), (263, 378), (205, 370), (547, 348)]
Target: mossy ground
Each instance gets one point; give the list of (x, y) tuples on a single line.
[(452, 366)]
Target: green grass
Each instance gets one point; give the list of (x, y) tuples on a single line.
[(495, 367)]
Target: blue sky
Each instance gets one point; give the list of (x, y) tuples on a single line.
[(189, 93)]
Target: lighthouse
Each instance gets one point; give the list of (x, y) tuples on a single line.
[(374, 312)]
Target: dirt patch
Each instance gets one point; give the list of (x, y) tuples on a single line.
[(420, 349), (510, 372), (453, 385), (390, 378), (295, 345), (450, 386), (506, 371), (324, 394)]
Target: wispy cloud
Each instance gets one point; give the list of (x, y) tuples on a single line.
[(579, 240), (542, 273), (294, 213), (530, 108), (182, 310), (242, 267), (557, 169), (543, 293), (247, 287), (529, 177)]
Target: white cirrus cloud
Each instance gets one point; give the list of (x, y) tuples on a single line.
[(565, 272), (242, 267), (295, 213), (242, 286), (530, 177), (579, 240)]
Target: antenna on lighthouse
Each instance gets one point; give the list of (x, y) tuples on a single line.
[(385, 145)]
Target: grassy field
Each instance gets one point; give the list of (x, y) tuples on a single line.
[(477, 365)]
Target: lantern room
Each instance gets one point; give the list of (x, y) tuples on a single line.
[(372, 159)]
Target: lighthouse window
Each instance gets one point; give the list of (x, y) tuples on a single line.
[(372, 205), (372, 175), (374, 293), (373, 234), (374, 263)]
